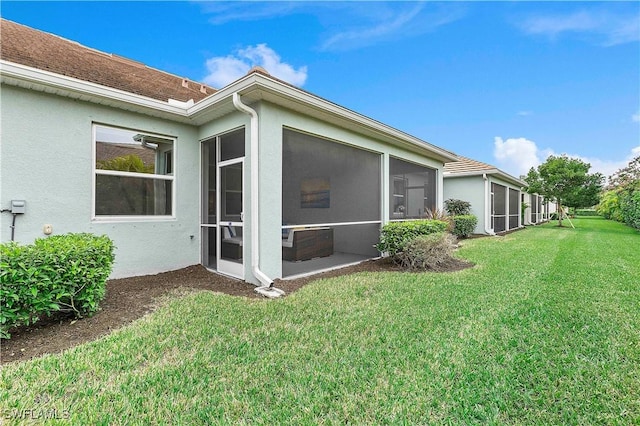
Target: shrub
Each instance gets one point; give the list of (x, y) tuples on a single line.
[(395, 235), (586, 212), (630, 208), (427, 252), (457, 207), (464, 225), (64, 273), (437, 214), (609, 206)]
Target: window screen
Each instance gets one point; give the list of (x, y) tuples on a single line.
[(412, 189), (328, 182), (514, 211), (499, 207)]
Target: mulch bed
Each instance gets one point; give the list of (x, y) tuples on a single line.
[(128, 299)]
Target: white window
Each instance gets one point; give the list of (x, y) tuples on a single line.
[(133, 174)]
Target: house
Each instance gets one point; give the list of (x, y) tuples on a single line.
[(495, 196), (257, 180), (537, 209)]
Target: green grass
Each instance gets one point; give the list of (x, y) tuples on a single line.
[(544, 330)]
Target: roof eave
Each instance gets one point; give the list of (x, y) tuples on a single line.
[(257, 86), (45, 81), (505, 176)]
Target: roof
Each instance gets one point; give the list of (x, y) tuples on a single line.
[(27, 46), (44, 62), (468, 167)]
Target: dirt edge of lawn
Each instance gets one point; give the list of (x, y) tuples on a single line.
[(128, 299)]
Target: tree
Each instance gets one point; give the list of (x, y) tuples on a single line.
[(588, 194), (567, 181), (621, 201), (627, 176)]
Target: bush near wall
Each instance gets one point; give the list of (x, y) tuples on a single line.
[(464, 225), (64, 273), (427, 252), (394, 236)]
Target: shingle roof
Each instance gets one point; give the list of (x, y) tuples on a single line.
[(27, 46), (467, 165)]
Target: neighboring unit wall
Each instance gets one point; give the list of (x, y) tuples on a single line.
[(472, 190), (46, 159)]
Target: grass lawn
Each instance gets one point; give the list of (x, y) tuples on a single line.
[(544, 330)]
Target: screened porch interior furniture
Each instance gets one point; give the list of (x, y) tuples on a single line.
[(308, 243), (231, 243)]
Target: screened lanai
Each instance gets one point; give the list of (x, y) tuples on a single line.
[(331, 209), (505, 208)]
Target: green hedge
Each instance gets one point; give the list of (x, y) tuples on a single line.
[(630, 208), (63, 273), (395, 235), (622, 204), (464, 225), (586, 212)]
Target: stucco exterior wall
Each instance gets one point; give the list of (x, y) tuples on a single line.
[(472, 190), (46, 158)]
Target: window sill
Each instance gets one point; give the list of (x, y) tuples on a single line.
[(124, 219)]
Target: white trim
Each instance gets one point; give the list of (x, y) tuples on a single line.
[(234, 269), (95, 172), (320, 225), (134, 174), (508, 178), (256, 85), (52, 82), (123, 218)]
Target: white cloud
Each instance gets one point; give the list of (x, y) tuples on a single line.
[(367, 35), (636, 117), (230, 11), (226, 69), (524, 113), (347, 25), (385, 21), (517, 155), (608, 28)]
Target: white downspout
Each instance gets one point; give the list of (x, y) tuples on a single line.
[(255, 186), (487, 203)]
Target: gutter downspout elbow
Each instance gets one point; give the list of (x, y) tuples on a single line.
[(487, 229), (255, 186)]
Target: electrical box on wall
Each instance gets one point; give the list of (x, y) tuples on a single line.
[(18, 206)]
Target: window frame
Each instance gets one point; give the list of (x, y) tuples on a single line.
[(160, 162)]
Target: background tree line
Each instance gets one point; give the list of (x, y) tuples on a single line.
[(621, 199)]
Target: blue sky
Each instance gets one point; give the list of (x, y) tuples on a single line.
[(507, 83)]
